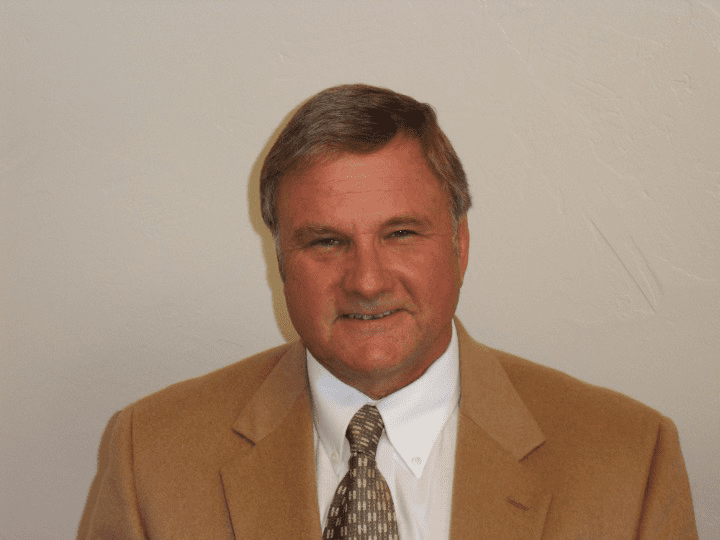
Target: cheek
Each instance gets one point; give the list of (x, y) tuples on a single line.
[(307, 292), (301, 308), (439, 284), (432, 271)]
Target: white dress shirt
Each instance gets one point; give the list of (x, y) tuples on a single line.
[(416, 453)]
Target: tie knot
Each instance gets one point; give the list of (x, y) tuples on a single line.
[(364, 431)]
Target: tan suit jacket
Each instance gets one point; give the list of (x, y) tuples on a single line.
[(539, 455)]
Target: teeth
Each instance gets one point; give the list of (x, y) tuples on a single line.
[(368, 317)]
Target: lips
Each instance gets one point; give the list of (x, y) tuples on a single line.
[(367, 317)]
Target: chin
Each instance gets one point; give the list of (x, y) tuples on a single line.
[(379, 362)]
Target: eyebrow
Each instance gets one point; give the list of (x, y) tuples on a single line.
[(312, 231), (304, 234), (407, 221)]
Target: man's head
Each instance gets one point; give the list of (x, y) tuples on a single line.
[(358, 119), (367, 200)]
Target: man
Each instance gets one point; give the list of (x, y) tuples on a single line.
[(386, 420)]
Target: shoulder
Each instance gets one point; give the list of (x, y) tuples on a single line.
[(554, 398), (573, 413), (604, 453), (549, 391), (217, 396)]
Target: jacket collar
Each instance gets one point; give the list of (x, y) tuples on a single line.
[(278, 393), (490, 400), (270, 487), (495, 493)]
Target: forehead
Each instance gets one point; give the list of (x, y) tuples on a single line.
[(396, 175)]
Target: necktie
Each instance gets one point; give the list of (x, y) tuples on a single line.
[(362, 508)]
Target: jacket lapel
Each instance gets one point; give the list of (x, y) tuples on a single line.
[(270, 488), (494, 493)]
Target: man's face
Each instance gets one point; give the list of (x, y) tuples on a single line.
[(371, 272)]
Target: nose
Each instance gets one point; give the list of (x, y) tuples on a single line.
[(366, 274)]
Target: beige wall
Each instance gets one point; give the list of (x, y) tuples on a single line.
[(132, 252)]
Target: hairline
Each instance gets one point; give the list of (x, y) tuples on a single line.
[(326, 154)]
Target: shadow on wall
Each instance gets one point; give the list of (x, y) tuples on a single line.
[(268, 245)]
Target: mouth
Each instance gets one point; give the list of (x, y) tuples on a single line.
[(365, 317)]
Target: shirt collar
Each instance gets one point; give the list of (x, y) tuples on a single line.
[(414, 416)]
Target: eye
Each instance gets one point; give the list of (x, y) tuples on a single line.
[(326, 242), (402, 233)]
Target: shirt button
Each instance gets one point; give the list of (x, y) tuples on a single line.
[(334, 457)]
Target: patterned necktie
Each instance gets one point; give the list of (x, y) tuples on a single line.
[(362, 508)]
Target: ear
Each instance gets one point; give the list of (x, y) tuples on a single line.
[(279, 257), (463, 243), (280, 263)]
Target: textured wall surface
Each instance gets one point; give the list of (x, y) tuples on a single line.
[(132, 253)]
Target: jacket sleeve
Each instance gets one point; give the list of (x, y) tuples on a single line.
[(667, 511), (115, 515)]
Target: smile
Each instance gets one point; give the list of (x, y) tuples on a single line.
[(362, 317)]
